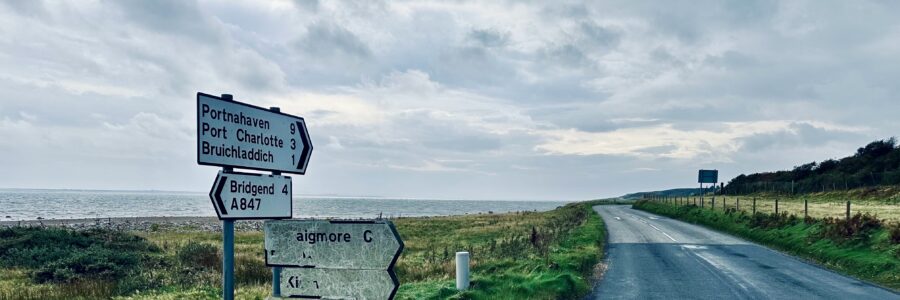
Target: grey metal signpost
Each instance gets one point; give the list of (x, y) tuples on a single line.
[(707, 176), (334, 259), (232, 134)]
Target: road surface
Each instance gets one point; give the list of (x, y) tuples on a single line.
[(654, 257)]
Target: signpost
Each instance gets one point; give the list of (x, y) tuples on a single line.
[(240, 196), (240, 135), (707, 176), (322, 259), (334, 259), (332, 244), (232, 134), (338, 283)]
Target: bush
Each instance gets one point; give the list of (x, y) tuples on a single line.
[(764, 220), (200, 255), (94, 262), (60, 255), (858, 227), (895, 233)]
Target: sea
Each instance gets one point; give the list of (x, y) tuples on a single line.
[(33, 204)]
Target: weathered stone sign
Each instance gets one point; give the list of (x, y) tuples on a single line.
[(373, 245), (338, 283)]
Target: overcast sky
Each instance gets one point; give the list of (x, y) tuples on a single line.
[(448, 99)]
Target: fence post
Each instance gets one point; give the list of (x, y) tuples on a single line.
[(754, 205), (737, 203), (848, 210), (805, 208), (724, 202), (776, 206), (712, 205)]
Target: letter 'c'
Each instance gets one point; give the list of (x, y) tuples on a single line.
[(366, 236)]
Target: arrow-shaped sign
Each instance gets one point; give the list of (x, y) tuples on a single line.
[(251, 196), (373, 245), (240, 135), (338, 284)]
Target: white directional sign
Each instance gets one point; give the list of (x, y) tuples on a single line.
[(338, 283), (373, 245), (240, 135), (251, 196)]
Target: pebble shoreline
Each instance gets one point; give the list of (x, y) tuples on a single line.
[(143, 224)]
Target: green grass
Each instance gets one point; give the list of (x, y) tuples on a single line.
[(524, 255), (869, 254)]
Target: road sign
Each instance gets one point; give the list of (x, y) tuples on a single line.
[(251, 196), (708, 176), (240, 135), (338, 284), (373, 245)]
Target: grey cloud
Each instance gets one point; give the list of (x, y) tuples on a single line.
[(592, 66), (310, 5), (174, 17), (489, 38), (29, 8), (328, 40), (802, 135), (600, 36)]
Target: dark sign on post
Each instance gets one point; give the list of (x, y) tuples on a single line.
[(708, 176)]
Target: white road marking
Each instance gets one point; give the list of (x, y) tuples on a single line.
[(654, 227)]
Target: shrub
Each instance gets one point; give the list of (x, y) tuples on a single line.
[(200, 255), (764, 220), (94, 262), (858, 227), (895, 233), (60, 255)]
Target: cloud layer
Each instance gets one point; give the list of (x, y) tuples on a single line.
[(441, 99)]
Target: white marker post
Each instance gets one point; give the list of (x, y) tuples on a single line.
[(462, 271)]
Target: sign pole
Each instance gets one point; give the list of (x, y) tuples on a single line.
[(276, 271), (228, 259), (227, 244)]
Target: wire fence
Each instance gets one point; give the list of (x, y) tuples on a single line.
[(792, 206)]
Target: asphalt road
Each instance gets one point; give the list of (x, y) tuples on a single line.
[(654, 257)]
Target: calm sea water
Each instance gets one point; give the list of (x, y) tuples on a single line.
[(23, 205)]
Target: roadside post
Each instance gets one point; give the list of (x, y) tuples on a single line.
[(805, 208), (462, 271), (233, 134), (848, 210)]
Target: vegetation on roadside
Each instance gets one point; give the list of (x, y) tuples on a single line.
[(875, 164), (534, 255), (862, 246), (883, 201)]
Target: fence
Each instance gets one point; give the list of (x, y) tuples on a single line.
[(791, 206)]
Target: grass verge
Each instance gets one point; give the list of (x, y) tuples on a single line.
[(863, 247), (522, 255)]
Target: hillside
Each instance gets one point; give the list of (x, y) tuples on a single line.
[(876, 164), (681, 192)]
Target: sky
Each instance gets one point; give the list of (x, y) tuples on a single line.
[(532, 100)]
